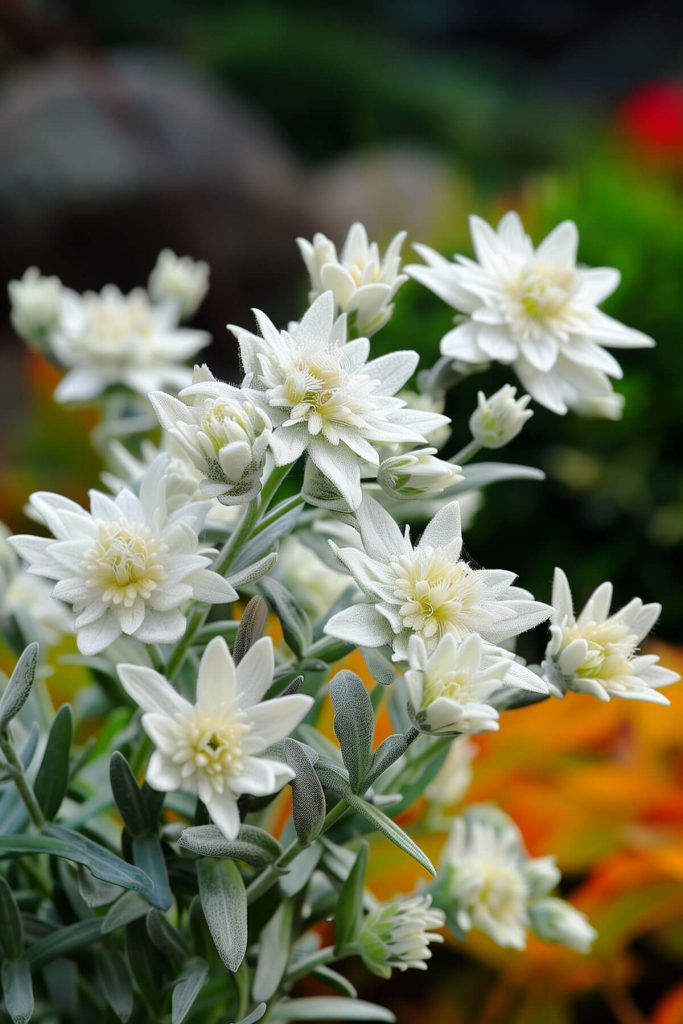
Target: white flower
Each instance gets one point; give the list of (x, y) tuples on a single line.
[(454, 777), (29, 599), (597, 653), (36, 305), (106, 339), (556, 920), (434, 403), (489, 877), (215, 746), (397, 935), (427, 590), (533, 308), (451, 689), (600, 407), (324, 398), (416, 474), (312, 584), (498, 419), (127, 566), (179, 279), (221, 432), (362, 283)]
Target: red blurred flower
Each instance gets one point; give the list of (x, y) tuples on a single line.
[(652, 118)]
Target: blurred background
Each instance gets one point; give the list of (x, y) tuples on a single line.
[(224, 130)]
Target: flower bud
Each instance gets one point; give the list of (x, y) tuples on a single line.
[(416, 473), (542, 874), (36, 306), (397, 935), (600, 407), (181, 280), (498, 419), (555, 920)]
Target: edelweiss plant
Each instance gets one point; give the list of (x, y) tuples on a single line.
[(189, 842)]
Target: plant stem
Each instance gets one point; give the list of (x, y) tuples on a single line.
[(466, 453), (306, 964), (20, 781)]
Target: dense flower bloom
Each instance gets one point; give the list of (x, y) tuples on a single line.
[(558, 921), (597, 653), (363, 284), (29, 599), (498, 419), (416, 474), (397, 935), (222, 433), (215, 747), (36, 303), (127, 565), (107, 338), (533, 308), (489, 877), (451, 690), (181, 280), (324, 398), (427, 590)]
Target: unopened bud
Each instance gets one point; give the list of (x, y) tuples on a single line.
[(498, 419)]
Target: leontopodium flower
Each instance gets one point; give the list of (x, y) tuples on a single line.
[(29, 599), (397, 935), (181, 280), (451, 690), (500, 418), (222, 432), (555, 920), (489, 878), (362, 282), (597, 653), (106, 339), (417, 473), (532, 308), (325, 399), (36, 302), (427, 590), (126, 566), (216, 746)]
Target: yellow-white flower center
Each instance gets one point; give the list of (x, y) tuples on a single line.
[(127, 562), (358, 269), (437, 595), (320, 392), (118, 327), (503, 891), (536, 298), (210, 746), (455, 685), (225, 422), (610, 648)]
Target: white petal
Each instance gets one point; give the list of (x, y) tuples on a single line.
[(224, 813), (362, 625), (216, 677), (443, 528), (151, 691), (274, 719), (255, 672), (162, 774)]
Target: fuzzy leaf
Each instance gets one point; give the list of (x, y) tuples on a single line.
[(128, 796), (255, 571), (64, 941), (266, 537), (255, 1015), (18, 688), (319, 1008), (95, 892), (387, 753), (335, 981), (296, 626), (350, 903), (166, 938), (251, 627), (354, 725), (187, 987), (274, 948), (11, 927), (114, 982), (308, 809), (224, 902), (148, 855), (253, 845), (379, 820), (126, 909), (53, 774), (17, 990)]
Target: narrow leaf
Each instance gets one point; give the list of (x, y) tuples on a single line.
[(114, 982), (308, 809), (18, 688), (274, 948), (53, 774), (253, 845), (379, 820), (95, 892), (166, 938), (187, 988), (128, 796), (335, 981), (148, 855), (319, 1008), (255, 571), (387, 753), (350, 903), (144, 961), (354, 725), (126, 909), (11, 928), (254, 1016), (17, 990), (296, 626), (266, 537), (224, 902), (63, 942)]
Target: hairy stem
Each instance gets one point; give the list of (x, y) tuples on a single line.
[(20, 780)]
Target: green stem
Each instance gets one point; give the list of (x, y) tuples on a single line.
[(466, 453), (20, 781), (306, 964), (278, 512)]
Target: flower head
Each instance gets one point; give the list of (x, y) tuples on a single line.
[(325, 399), (221, 432), (397, 935), (126, 566), (181, 280), (215, 747), (452, 691), (498, 419), (558, 921), (107, 338), (597, 653), (363, 284), (416, 474), (29, 599), (427, 590), (533, 308), (36, 303)]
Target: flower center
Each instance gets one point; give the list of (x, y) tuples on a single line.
[(127, 562), (117, 327), (610, 648), (357, 270), (436, 595), (536, 298), (211, 746), (225, 422), (455, 686), (503, 891)]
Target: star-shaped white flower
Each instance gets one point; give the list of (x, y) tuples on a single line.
[(532, 308), (324, 398), (215, 747), (126, 566), (107, 338), (427, 590), (597, 653)]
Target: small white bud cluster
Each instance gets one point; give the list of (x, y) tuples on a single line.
[(179, 279), (498, 419), (417, 473), (397, 935), (35, 302)]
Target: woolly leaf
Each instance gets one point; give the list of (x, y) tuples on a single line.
[(274, 948), (53, 774), (224, 902), (253, 845), (18, 688), (17, 990), (187, 987), (350, 903), (296, 626), (379, 820), (113, 979), (354, 725), (319, 1008), (308, 809)]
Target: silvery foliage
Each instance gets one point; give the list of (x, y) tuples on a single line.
[(168, 845)]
